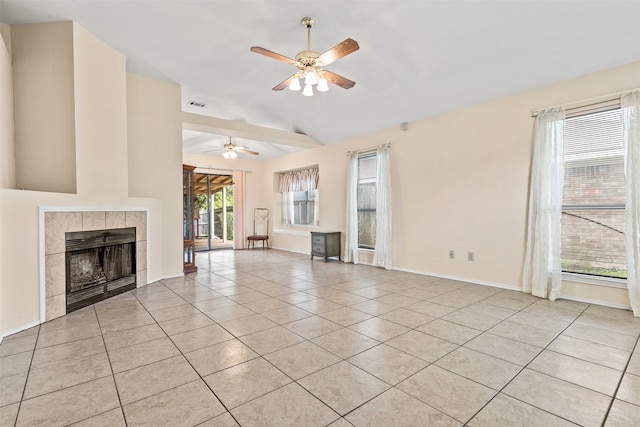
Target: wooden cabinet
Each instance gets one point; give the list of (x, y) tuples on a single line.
[(188, 205), (325, 244)]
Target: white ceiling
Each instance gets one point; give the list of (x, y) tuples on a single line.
[(416, 58)]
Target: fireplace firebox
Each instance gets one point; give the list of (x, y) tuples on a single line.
[(99, 265)]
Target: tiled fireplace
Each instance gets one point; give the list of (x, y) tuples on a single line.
[(99, 264), (58, 225)]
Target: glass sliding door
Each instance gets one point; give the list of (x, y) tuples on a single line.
[(214, 206)]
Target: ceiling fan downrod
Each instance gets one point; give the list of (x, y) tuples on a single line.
[(308, 22)]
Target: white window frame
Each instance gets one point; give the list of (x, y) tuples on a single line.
[(586, 277), (289, 206), (367, 181)]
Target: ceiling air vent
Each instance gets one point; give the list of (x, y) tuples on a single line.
[(197, 104)]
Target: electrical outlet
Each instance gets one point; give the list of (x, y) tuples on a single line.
[(471, 256), (452, 254)]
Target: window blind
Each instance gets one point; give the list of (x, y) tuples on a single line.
[(584, 108), (593, 139)]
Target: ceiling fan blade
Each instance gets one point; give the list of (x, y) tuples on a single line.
[(338, 51), (338, 80), (246, 151), (284, 84), (271, 54), (214, 149)]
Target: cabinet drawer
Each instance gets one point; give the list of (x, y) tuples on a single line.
[(325, 244)]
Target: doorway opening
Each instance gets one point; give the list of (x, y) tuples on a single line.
[(213, 212)]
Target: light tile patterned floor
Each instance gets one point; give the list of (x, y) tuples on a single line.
[(264, 337)]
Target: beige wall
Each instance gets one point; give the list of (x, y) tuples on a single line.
[(154, 156), (101, 157), (100, 94), (43, 89), (460, 182), (7, 156), (7, 148)]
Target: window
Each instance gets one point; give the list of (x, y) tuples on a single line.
[(304, 207), (367, 185), (593, 198), (299, 190)]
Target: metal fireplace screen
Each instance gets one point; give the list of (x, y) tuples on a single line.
[(99, 265)]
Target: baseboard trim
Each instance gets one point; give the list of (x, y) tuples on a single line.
[(290, 250), (595, 302), (22, 328), (461, 279)]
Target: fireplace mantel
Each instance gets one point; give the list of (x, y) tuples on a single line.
[(55, 222)]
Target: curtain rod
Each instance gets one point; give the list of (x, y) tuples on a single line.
[(367, 150), (585, 102), (223, 170)]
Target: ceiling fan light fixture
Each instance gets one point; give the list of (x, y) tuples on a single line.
[(229, 154), (308, 90), (310, 64), (295, 84), (310, 78), (230, 150), (322, 85)]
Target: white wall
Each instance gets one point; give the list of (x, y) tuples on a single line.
[(101, 124), (460, 182)]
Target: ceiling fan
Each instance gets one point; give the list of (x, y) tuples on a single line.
[(231, 150), (310, 64)]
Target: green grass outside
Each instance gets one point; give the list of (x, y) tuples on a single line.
[(594, 271)]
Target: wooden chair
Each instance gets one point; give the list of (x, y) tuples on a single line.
[(260, 228)]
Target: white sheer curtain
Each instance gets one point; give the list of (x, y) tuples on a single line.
[(631, 137), (239, 191), (542, 271), (316, 209), (351, 240), (287, 208), (382, 252)]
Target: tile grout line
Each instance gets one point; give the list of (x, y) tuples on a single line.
[(113, 375), (187, 360), (526, 366), (482, 332), (409, 330), (26, 379), (296, 381), (332, 286), (259, 357), (624, 372)]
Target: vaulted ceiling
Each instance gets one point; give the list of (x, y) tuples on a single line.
[(416, 59)]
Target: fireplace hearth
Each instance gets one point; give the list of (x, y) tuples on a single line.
[(99, 265)]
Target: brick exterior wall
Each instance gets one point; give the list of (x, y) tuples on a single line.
[(594, 238)]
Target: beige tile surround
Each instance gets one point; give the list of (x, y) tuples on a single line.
[(57, 223)]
